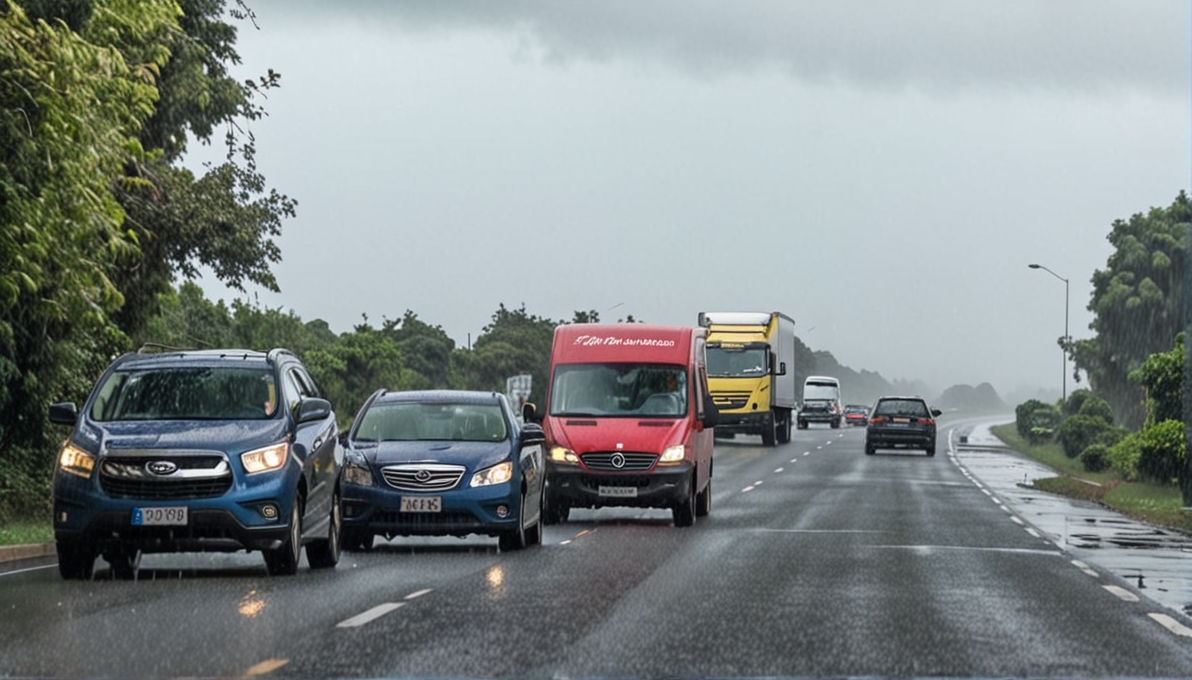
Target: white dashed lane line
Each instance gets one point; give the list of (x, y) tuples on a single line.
[(1172, 625), (777, 470), (1122, 594), (418, 593), (370, 615)]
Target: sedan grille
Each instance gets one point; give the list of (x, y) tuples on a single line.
[(618, 461), (165, 475), (423, 476)]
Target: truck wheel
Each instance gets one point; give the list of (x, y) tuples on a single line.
[(870, 449), (769, 432), (76, 559), (784, 428), (283, 561), (703, 500), (684, 512)]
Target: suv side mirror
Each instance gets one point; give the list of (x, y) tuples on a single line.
[(313, 408), (65, 413), (936, 412)]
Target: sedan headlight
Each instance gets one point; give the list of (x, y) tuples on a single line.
[(76, 461), (673, 454), (357, 474), (265, 459), (497, 474), (560, 454)]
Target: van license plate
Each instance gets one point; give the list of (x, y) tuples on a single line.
[(158, 517), (618, 491), (421, 504)]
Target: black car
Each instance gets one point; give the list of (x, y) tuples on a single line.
[(901, 423), (443, 463), (213, 450)]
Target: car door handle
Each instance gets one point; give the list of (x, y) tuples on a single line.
[(318, 443)]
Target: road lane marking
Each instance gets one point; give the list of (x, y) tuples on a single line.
[(747, 489), (565, 542), (794, 460), (1032, 532), (267, 666), (1084, 567), (820, 531), (777, 470), (1122, 593), (370, 615), (585, 532), (1172, 625), (1017, 521), (927, 549), (827, 442), (758, 483), (806, 453), (1079, 565), (418, 593)]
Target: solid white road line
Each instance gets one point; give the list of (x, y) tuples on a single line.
[(370, 615), (418, 593)]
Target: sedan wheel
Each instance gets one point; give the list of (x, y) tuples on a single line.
[(515, 539)]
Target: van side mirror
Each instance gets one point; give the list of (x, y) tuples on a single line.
[(711, 413), (529, 413), (65, 413)]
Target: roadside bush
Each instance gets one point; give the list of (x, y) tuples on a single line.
[(1112, 436), (1161, 451), (1123, 456), (1035, 420), (1095, 458), (1077, 432), (1097, 407), (1075, 402)]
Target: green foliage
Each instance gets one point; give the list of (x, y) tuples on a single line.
[(1077, 432), (1036, 421), (1124, 455), (1097, 408), (1075, 400), (1161, 451), (1095, 458), (514, 342), (354, 366), (1135, 302), (1162, 376)]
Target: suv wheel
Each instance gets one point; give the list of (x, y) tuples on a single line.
[(76, 559), (324, 553), (283, 561)]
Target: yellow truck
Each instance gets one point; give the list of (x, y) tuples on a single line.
[(751, 373)]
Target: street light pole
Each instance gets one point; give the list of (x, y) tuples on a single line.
[(1066, 338)]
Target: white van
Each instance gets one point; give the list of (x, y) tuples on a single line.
[(821, 402)]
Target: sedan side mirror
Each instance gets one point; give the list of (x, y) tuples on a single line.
[(65, 413)]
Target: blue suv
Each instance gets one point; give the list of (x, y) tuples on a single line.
[(213, 450)]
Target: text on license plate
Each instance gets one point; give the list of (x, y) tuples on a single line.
[(901, 420), (618, 491), (421, 504), (150, 517)]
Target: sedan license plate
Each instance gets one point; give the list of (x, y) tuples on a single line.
[(618, 491), (158, 517), (422, 504)]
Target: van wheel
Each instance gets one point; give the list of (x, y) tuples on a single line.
[(684, 512), (703, 500), (76, 559), (283, 561)]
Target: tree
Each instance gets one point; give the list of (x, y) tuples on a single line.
[(1136, 304), (426, 350), (1162, 376), (514, 342)]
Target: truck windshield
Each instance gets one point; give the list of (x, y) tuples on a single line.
[(736, 363), (619, 390), (820, 391)]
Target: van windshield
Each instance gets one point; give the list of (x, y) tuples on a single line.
[(619, 390), (820, 391), (736, 363)]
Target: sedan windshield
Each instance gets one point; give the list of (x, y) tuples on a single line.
[(413, 421), (630, 390)]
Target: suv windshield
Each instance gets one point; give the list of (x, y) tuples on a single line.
[(187, 393), (630, 390), (415, 421)]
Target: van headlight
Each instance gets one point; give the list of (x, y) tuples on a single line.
[(673, 454), (497, 474), (559, 454), (76, 461), (265, 459)]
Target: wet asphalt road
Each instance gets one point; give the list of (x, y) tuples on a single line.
[(816, 560)]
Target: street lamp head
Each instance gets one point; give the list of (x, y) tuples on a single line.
[(1035, 266)]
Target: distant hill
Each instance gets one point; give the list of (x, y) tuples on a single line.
[(968, 398)]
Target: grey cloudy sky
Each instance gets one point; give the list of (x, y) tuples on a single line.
[(881, 171)]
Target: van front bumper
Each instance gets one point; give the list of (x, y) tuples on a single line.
[(664, 487)]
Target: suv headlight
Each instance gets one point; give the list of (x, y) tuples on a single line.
[(355, 473), (673, 454), (497, 474), (76, 461), (265, 459), (561, 454)]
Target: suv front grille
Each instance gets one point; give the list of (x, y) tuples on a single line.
[(423, 476), (606, 461), (200, 474)]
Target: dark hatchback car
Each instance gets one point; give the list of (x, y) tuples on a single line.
[(901, 423), (442, 463), (213, 450)]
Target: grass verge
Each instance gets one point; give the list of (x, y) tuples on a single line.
[(22, 532), (1154, 503)]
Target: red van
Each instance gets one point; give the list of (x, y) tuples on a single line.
[(628, 420)]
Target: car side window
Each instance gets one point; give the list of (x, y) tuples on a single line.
[(292, 391)]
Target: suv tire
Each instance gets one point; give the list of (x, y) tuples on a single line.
[(283, 561), (324, 553), (76, 559)]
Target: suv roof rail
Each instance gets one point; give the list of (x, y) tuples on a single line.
[(158, 348), (278, 352)]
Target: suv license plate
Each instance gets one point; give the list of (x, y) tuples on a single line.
[(618, 491), (157, 517), (422, 504)]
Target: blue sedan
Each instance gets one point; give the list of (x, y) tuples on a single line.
[(442, 463)]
